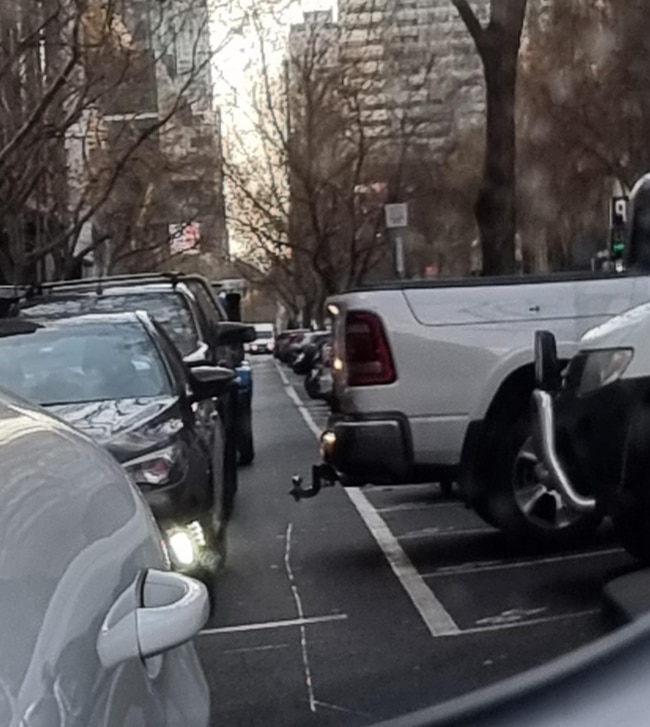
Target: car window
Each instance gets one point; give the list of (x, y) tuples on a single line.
[(80, 363), (205, 301), (170, 309)]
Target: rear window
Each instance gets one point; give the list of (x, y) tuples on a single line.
[(169, 309)]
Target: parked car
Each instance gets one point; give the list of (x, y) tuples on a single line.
[(264, 338), (185, 305), (96, 626), (285, 340), (118, 378), (433, 380), (318, 380), (306, 353)]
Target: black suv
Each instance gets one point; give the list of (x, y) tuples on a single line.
[(120, 379), (188, 310)]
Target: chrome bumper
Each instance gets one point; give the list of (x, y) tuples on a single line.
[(545, 444)]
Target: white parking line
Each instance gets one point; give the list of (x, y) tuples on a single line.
[(409, 506), (437, 620), (444, 532), (493, 565), (265, 625)]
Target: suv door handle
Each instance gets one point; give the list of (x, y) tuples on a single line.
[(172, 609)]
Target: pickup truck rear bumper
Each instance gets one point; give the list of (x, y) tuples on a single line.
[(373, 449)]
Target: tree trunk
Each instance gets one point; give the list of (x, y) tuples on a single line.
[(495, 207)]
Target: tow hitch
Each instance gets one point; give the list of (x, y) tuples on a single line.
[(322, 475)]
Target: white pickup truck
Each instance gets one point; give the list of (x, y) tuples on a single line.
[(433, 382)]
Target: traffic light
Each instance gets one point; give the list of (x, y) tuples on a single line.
[(618, 242)]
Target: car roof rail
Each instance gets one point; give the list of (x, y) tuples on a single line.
[(173, 277)]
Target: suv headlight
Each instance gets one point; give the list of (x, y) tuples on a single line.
[(157, 468), (603, 367)]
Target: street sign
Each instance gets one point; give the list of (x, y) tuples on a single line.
[(619, 211), (397, 215), (185, 238)]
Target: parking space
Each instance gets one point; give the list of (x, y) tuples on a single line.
[(362, 604)]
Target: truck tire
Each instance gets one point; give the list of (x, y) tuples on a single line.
[(527, 511), (631, 509)]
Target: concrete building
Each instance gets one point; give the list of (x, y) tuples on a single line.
[(415, 65)]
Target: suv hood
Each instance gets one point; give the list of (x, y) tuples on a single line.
[(126, 427)]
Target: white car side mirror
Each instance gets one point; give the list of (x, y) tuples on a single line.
[(174, 609)]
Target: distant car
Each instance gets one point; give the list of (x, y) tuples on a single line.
[(285, 340), (264, 338), (300, 353), (95, 623), (118, 378)]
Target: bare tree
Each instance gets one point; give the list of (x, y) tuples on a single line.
[(309, 177), (86, 87), (584, 123), (498, 45)]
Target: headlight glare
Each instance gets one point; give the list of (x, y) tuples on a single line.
[(604, 367)]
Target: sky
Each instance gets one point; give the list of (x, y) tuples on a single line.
[(232, 64)]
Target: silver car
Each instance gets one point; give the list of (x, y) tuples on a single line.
[(94, 626)]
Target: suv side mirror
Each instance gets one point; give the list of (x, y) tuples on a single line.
[(231, 334), (547, 365), (209, 382)]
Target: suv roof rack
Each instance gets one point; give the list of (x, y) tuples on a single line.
[(128, 279)]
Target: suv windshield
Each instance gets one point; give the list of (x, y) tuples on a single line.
[(170, 309), (80, 363)]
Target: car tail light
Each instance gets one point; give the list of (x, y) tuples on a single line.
[(367, 353)]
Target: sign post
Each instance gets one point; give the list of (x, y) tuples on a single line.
[(397, 227), (618, 225)]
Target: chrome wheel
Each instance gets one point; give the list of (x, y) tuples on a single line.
[(538, 503)]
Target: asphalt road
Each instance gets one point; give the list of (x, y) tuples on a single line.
[(360, 605)]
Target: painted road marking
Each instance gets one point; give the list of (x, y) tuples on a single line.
[(265, 625), (529, 622), (301, 615), (444, 532), (494, 565), (436, 618), (408, 507)]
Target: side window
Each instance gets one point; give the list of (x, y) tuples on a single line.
[(205, 324), (206, 301), (173, 358)]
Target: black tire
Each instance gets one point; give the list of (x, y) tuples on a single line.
[(245, 443), (517, 501), (631, 508)]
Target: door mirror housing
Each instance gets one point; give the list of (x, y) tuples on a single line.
[(209, 382), (547, 366), (230, 334)]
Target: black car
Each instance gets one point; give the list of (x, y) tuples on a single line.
[(185, 305), (120, 379)]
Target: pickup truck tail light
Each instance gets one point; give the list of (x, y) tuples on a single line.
[(367, 354)]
